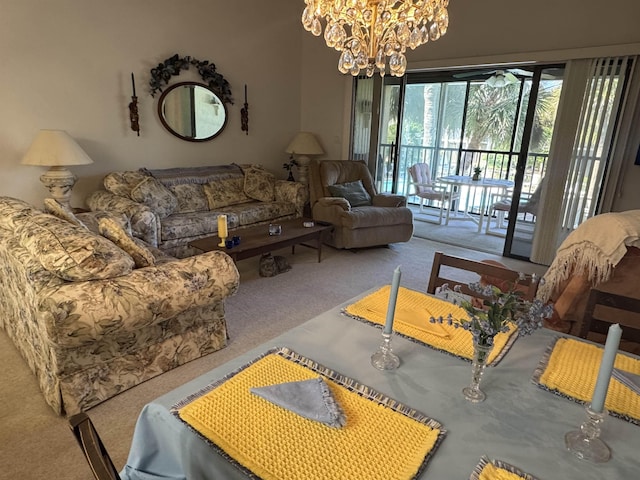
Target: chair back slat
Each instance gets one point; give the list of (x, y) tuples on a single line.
[(606, 308), (501, 277)]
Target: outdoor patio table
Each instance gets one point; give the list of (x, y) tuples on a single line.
[(486, 185)]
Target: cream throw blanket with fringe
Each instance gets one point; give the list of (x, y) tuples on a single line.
[(593, 249)]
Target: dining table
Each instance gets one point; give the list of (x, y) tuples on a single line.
[(486, 187), (519, 423)]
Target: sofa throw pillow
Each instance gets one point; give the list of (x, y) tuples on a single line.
[(113, 231), (259, 184), (354, 192), (70, 252), (222, 193), (52, 206), (121, 183), (155, 196), (91, 220)]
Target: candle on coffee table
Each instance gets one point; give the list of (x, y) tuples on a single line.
[(222, 226)]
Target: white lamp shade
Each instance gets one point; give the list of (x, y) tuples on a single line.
[(55, 148), (305, 143)]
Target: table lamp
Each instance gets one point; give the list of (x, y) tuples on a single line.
[(303, 145), (56, 149)]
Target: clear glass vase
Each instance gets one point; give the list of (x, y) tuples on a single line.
[(482, 347)]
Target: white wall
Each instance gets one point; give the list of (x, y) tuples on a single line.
[(67, 64)]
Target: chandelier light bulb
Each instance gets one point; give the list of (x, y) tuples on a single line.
[(373, 33)]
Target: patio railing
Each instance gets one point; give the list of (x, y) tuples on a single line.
[(444, 161)]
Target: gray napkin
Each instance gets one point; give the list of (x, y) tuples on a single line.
[(628, 379), (310, 399)]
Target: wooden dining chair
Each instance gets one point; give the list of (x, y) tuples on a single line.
[(93, 448), (606, 308), (457, 271)]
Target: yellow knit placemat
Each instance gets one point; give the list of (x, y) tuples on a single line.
[(570, 368), (498, 470), (413, 307), (382, 438)]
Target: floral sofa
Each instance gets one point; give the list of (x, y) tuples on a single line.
[(169, 208), (93, 316)]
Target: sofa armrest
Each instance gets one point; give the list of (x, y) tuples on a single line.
[(77, 313), (292, 192), (389, 200), (145, 224)]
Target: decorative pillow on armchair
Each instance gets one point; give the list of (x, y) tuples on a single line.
[(354, 192), (259, 184), (156, 196)]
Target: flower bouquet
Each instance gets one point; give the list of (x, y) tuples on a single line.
[(497, 311)]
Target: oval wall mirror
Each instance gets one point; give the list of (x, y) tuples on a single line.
[(192, 112)]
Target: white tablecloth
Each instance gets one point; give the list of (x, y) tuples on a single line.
[(519, 422)]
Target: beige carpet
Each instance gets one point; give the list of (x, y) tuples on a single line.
[(37, 444)]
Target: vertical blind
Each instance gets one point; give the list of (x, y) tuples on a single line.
[(585, 130)]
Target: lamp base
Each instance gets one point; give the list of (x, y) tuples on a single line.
[(60, 181), (303, 168)]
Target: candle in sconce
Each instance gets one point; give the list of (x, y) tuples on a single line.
[(133, 84), (606, 368), (393, 296)]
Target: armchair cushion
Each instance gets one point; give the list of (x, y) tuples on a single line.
[(259, 184), (389, 200), (156, 196), (354, 192), (341, 202)]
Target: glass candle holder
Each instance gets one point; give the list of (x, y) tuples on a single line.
[(585, 443), (384, 358), (275, 229)]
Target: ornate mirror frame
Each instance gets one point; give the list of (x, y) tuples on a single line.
[(214, 82)]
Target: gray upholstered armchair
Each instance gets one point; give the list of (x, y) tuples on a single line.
[(342, 193)]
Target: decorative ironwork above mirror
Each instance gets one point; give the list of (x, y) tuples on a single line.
[(190, 110)]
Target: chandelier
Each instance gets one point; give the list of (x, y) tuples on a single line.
[(371, 32)]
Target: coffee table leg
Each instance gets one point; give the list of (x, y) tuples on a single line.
[(319, 246)]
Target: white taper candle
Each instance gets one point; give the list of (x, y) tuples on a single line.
[(393, 296), (606, 367)]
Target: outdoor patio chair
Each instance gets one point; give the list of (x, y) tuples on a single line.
[(501, 204), (419, 180)]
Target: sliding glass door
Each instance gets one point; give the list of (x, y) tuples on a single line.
[(458, 121)]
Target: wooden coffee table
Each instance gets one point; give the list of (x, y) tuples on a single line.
[(256, 240)]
